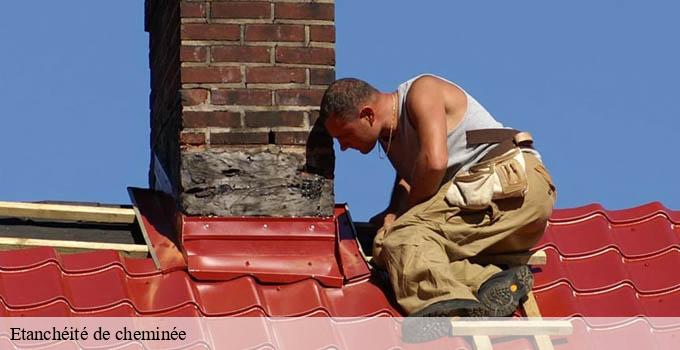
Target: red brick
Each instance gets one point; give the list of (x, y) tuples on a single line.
[(322, 33), (318, 139), (211, 75), (321, 76), (248, 9), (299, 97), (275, 75), (275, 32), (305, 55), (193, 53), (304, 11), (274, 118), (206, 119), (239, 138), (192, 9), (192, 138), (193, 97), (242, 97), (199, 31), (291, 137), (313, 117), (240, 54)]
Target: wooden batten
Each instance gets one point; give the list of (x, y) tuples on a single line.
[(135, 250), (67, 212), (70, 213)]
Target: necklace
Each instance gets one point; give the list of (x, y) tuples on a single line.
[(394, 116)]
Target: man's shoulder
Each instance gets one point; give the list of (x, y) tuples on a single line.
[(425, 81), (428, 83), (422, 87)]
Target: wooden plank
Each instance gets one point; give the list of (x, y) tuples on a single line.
[(511, 327), (529, 258), (482, 342), (543, 342), (130, 248), (65, 251), (531, 309), (67, 212)]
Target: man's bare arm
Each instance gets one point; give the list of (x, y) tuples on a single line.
[(427, 113), (397, 205), (399, 198)]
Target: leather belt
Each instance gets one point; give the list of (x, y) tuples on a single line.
[(506, 139)]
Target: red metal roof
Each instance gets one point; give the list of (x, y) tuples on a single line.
[(103, 284), (220, 267), (611, 263), (600, 263)]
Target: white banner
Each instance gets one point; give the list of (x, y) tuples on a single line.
[(336, 333)]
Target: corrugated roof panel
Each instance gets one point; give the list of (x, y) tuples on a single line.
[(106, 288), (610, 263), (651, 274)]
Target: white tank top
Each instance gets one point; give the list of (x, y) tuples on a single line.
[(405, 145)]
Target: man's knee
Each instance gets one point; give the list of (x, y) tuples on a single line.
[(403, 235)]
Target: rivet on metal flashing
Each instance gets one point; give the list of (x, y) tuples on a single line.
[(265, 226), (206, 226), (247, 263), (312, 227)]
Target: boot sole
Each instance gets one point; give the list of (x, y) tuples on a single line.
[(434, 321), (499, 299)]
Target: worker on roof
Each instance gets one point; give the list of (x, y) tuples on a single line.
[(465, 187)]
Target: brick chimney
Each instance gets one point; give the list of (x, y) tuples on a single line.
[(235, 93)]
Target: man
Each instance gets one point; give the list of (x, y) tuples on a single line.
[(465, 188)]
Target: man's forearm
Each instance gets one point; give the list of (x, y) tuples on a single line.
[(427, 183), (399, 198)]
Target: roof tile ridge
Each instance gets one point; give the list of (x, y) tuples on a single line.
[(77, 272), (610, 287), (622, 284), (620, 322), (615, 216), (605, 249)]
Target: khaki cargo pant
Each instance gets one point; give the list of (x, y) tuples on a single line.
[(429, 252)]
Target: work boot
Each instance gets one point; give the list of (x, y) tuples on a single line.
[(433, 321), (503, 292)]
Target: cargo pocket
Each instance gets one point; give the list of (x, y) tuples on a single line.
[(472, 190), (543, 172), (512, 177), (500, 178)]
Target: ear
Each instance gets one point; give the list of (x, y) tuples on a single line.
[(368, 113)]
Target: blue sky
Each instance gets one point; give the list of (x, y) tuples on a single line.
[(596, 82)]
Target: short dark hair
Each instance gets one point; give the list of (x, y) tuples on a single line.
[(344, 96)]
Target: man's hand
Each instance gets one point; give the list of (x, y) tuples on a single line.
[(389, 220), (383, 219)]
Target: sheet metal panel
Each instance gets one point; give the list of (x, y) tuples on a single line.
[(103, 286), (272, 261), (273, 250), (610, 263), (157, 217), (352, 262)]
